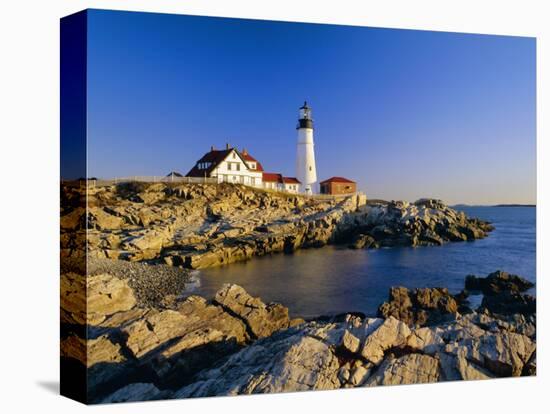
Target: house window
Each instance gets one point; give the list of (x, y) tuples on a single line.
[(229, 166), (234, 155), (252, 166), (238, 166)]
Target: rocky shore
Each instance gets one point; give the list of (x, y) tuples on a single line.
[(201, 225), (234, 343)]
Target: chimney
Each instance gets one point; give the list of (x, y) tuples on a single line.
[(212, 148), (227, 145), (244, 151)]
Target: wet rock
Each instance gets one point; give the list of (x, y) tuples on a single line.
[(363, 241), (498, 282), (510, 303)]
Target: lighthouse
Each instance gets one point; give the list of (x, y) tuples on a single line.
[(306, 172)]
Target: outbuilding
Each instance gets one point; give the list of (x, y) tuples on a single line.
[(338, 185)]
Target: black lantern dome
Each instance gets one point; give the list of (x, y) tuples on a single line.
[(305, 120)]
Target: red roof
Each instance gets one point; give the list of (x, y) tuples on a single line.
[(272, 177), (337, 180), (291, 180), (278, 178), (215, 157), (247, 157)]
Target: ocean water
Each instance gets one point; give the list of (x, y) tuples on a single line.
[(333, 280)]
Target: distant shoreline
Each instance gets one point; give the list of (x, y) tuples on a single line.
[(494, 205)]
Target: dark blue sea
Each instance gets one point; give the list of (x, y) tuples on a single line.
[(333, 280)]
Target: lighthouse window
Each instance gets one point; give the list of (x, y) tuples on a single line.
[(310, 168)]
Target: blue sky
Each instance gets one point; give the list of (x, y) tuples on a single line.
[(405, 113)]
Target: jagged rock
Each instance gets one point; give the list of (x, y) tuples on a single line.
[(107, 295), (504, 353), (408, 369), (287, 361), (359, 375), (144, 221), (457, 367), (102, 349), (363, 241), (98, 218), (261, 319), (427, 340), (498, 282), (350, 343), (196, 323), (392, 333), (509, 303), (419, 307)]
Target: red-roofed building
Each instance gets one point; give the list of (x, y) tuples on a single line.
[(338, 185), (276, 181), (239, 167)]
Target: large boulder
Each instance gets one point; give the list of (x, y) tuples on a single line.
[(392, 333), (510, 303), (498, 282), (261, 319), (420, 306)]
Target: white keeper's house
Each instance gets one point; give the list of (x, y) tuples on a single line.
[(239, 167)]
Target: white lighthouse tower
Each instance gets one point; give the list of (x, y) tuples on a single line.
[(306, 172)]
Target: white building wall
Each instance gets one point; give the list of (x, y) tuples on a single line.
[(306, 171), (292, 188), (238, 173)]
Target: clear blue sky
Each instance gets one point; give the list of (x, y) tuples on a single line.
[(405, 113)]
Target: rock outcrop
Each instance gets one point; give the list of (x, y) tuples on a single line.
[(502, 293), (419, 306), (237, 344), (203, 225), (426, 222), (498, 282)]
